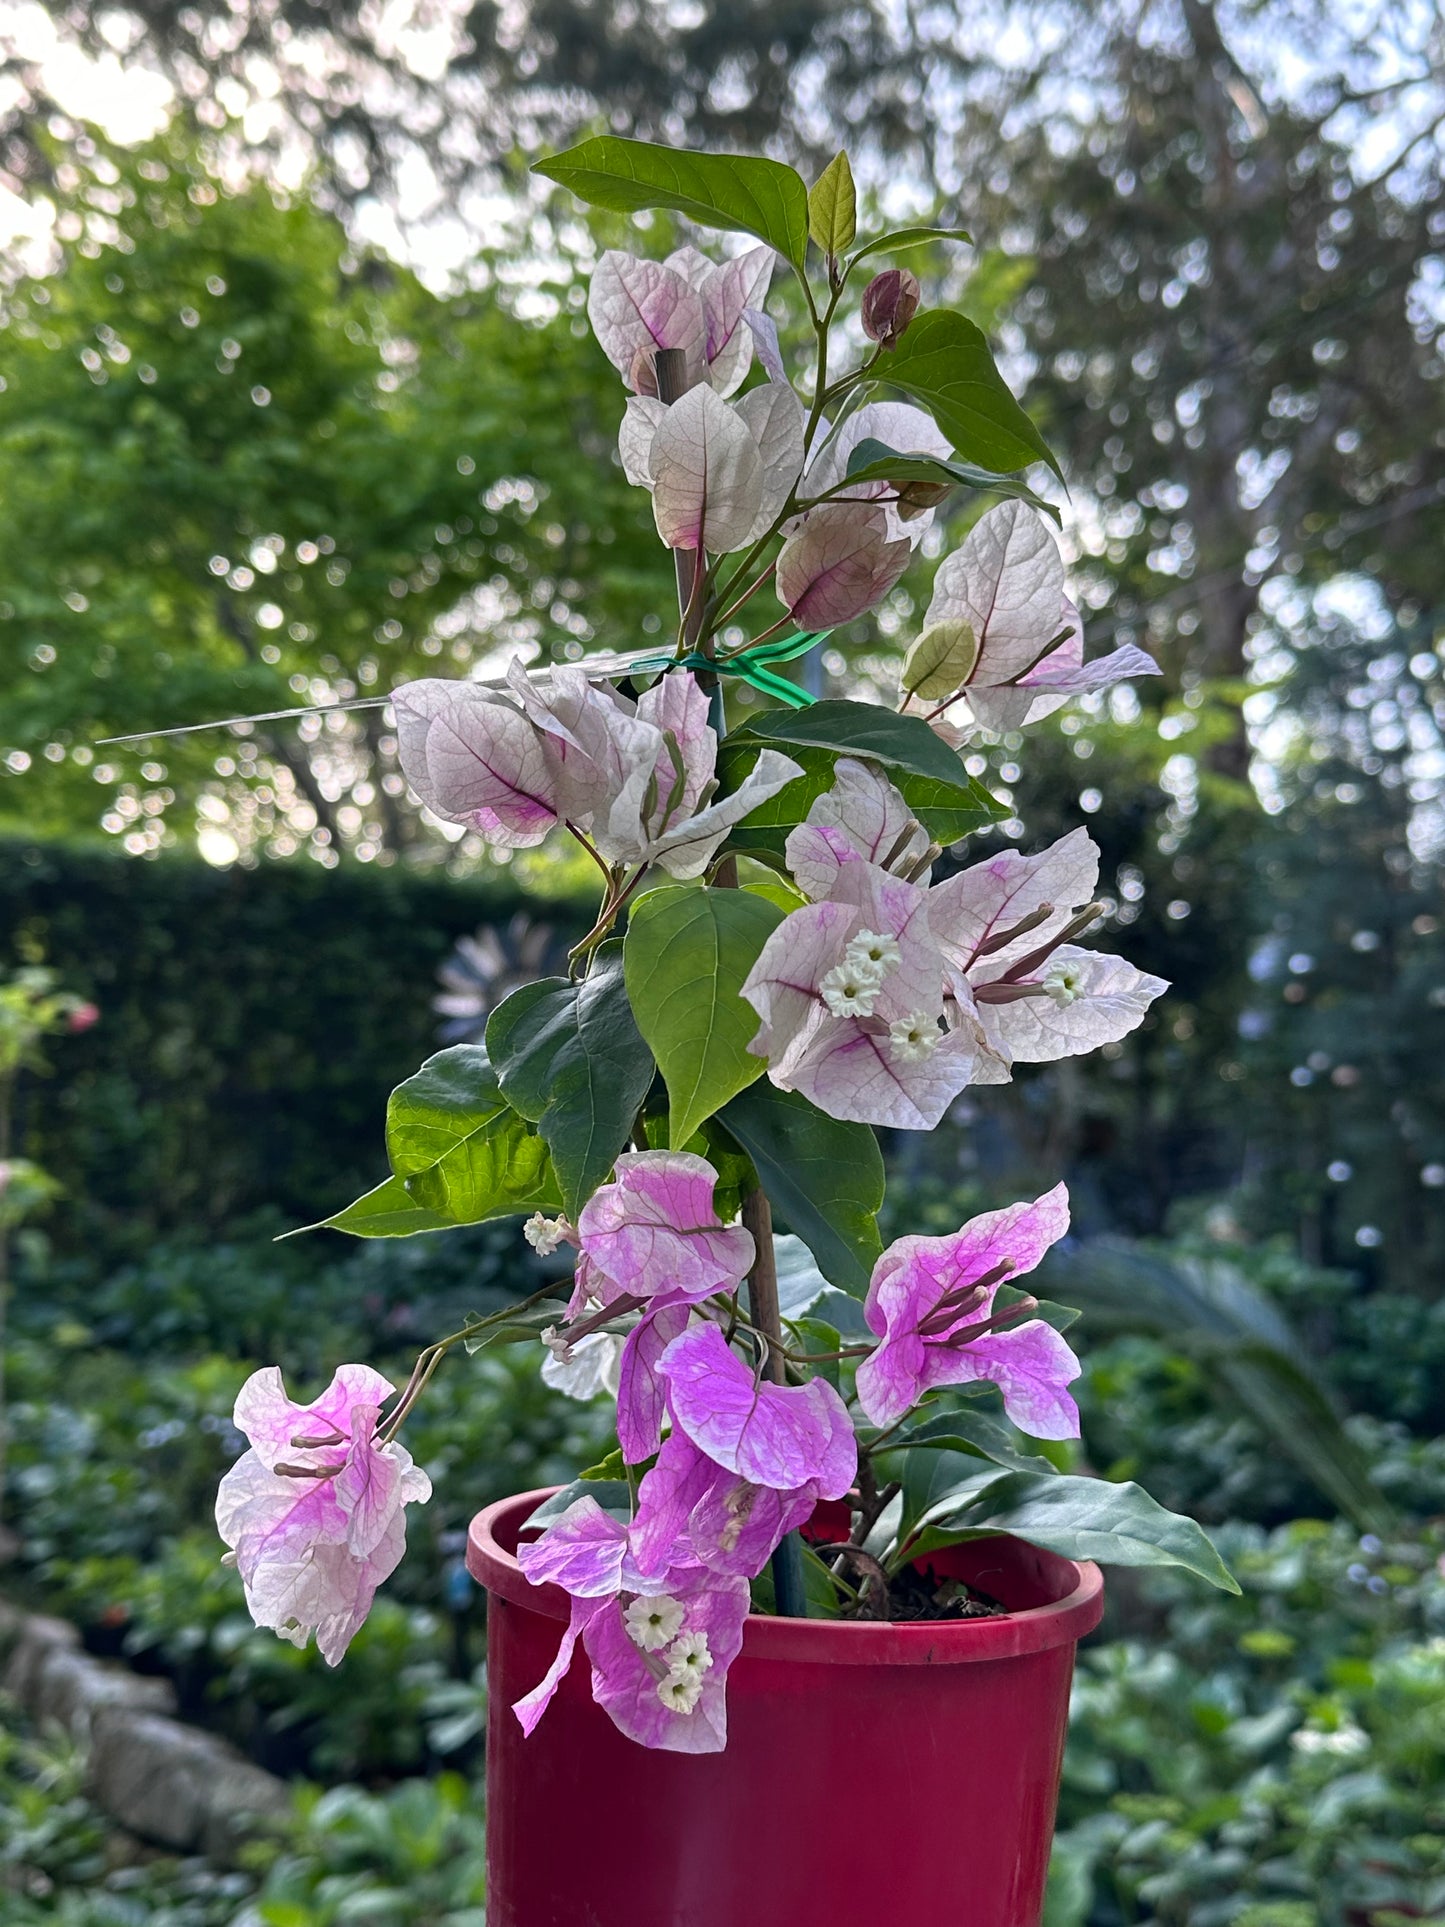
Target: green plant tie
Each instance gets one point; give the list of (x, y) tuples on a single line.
[(751, 664)]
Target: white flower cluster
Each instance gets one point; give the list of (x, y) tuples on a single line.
[(850, 989), (654, 1624)]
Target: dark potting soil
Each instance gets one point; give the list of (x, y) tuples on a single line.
[(914, 1595)]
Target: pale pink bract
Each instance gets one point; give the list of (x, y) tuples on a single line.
[(924, 1347), (313, 1543)]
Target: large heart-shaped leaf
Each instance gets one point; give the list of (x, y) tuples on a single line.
[(1118, 1525), (570, 1057), (459, 1148), (947, 810), (944, 361), (825, 1177), (739, 192), (687, 953), (875, 461)]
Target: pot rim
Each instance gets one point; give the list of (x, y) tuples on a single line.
[(826, 1642)]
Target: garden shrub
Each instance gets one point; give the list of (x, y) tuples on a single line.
[(252, 1023)]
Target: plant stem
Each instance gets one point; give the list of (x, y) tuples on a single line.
[(763, 1300)]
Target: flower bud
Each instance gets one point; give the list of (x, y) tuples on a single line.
[(890, 302), (916, 498)]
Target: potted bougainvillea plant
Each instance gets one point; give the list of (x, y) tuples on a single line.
[(800, 1648)]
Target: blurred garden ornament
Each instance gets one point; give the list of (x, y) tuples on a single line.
[(827, 1563), (485, 968)]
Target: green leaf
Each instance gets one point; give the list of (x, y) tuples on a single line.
[(613, 1495), (1059, 1316), (687, 953), (817, 1336), (1118, 1525), (825, 1177), (944, 361), (460, 1149), (780, 893), (932, 1482), (974, 1434), (947, 810), (523, 1328), (738, 192), (389, 1211), (875, 461), (863, 729), (570, 1058), (939, 659), (802, 1289), (908, 237), (833, 207)]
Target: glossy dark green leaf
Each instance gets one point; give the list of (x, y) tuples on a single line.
[(823, 1176), (570, 1057), (459, 1147), (875, 461), (947, 810), (687, 953), (945, 362), (1118, 1525), (972, 1432), (740, 192), (613, 1495), (864, 729)]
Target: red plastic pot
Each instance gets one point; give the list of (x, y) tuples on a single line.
[(872, 1772)]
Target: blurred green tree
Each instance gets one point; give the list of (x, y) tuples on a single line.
[(245, 466)]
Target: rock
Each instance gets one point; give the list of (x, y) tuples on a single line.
[(152, 1775), (179, 1787), (38, 1638), (242, 1800), (166, 1782), (72, 1688)]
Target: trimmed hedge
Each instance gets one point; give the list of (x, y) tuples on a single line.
[(252, 1024)]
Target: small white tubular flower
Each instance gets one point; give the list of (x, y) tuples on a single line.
[(680, 1693), (584, 1369), (689, 1657), (545, 1234), (914, 1037), (653, 1623), (1063, 980), (869, 949), (557, 1345), (851, 989)]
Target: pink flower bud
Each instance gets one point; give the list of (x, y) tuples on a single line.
[(890, 302), (82, 1017)]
